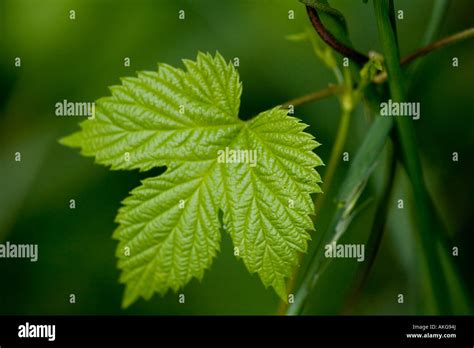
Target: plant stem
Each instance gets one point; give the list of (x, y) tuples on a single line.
[(335, 157), (334, 89), (409, 153), (331, 40), (393, 19), (438, 44), (463, 35), (308, 98)]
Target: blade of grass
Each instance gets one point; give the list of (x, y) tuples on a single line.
[(458, 294), (437, 15), (410, 157), (376, 234)]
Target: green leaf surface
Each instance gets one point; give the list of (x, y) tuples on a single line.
[(160, 117), (259, 173)]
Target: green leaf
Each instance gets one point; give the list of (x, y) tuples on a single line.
[(266, 207), (170, 227), (260, 173), (164, 116)]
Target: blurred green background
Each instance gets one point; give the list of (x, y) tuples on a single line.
[(78, 59)]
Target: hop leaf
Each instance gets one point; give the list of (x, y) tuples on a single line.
[(260, 173)]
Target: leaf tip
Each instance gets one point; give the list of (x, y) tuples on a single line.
[(126, 302), (71, 140)]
